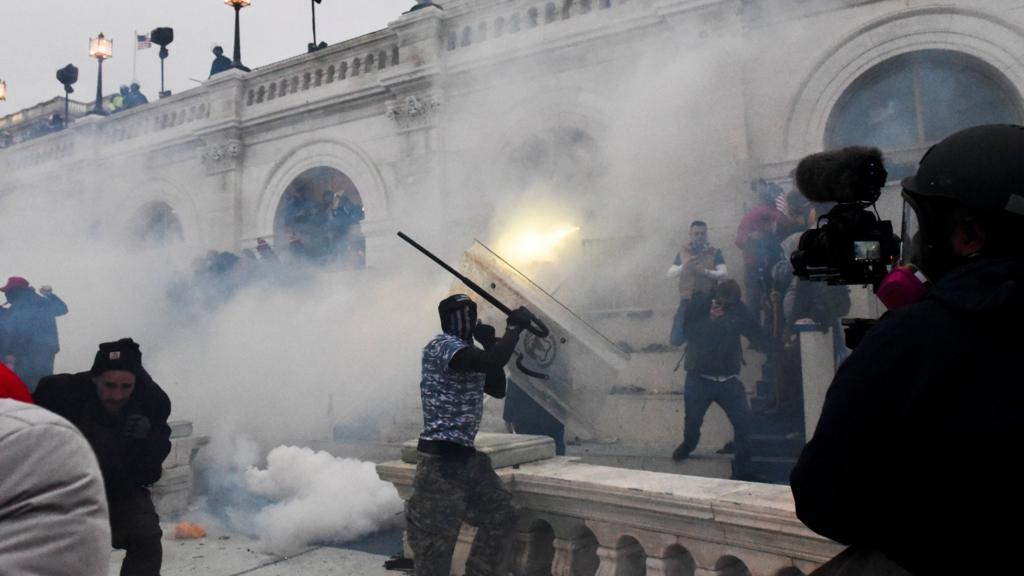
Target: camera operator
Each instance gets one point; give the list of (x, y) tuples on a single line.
[(908, 464)]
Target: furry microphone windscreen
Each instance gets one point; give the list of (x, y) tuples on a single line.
[(853, 174)]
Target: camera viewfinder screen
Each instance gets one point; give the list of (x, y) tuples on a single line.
[(867, 250)]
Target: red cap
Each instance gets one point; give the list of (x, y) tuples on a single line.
[(15, 283)]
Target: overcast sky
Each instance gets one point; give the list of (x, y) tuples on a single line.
[(39, 37)]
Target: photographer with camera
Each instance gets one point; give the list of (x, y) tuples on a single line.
[(908, 464), (714, 356)]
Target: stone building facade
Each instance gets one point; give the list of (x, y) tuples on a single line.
[(639, 115)]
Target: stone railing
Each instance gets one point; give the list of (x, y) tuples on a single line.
[(363, 56), (581, 520), (515, 17), (192, 106), (173, 493)]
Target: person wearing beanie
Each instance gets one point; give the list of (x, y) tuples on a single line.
[(123, 414), (30, 342)]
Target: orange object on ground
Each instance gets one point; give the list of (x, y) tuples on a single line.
[(189, 531)]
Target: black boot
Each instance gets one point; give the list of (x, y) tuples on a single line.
[(682, 452)]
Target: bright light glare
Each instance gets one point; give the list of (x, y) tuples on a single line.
[(533, 245)]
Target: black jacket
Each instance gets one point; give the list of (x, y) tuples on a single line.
[(127, 464), (915, 452), (713, 346)]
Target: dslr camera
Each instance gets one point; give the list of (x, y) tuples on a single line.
[(851, 243)]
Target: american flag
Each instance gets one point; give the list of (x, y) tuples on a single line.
[(142, 42)]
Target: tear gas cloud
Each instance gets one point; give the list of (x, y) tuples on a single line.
[(633, 159), (285, 359), (302, 497)]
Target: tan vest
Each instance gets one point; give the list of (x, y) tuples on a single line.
[(689, 282)]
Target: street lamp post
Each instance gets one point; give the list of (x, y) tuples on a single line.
[(314, 46), (162, 37), (67, 76), (238, 5), (101, 49)]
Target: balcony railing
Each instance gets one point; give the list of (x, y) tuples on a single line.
[(580, 520)]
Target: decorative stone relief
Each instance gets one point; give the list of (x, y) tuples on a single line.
[(223, 156), (413, 111)]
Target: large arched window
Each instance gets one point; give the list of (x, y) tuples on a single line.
[(916, 99), (157, 225), (564, 157), (319, 218)]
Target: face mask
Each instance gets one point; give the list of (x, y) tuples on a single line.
[(903, 286)]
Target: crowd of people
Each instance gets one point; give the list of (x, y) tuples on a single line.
[(714, 312), (935, 378)]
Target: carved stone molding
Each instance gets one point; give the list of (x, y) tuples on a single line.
[(223, 156), (414, 111)]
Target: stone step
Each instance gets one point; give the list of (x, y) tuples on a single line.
[(705, 463)]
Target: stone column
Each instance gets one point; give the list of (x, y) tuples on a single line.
[(670, 566), (817, 361), (532, 554), (574, 557), (617, 561)]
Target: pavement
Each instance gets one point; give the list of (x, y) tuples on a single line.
[(220, 554)]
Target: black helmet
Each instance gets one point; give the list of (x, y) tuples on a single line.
[(458, 316), (981, 168)]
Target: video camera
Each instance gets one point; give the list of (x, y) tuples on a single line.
[(851, 244)]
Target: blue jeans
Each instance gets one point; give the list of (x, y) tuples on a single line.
[(698, 394)]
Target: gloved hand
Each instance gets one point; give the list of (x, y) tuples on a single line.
[(485, 335), (520, 318), (136, 426)]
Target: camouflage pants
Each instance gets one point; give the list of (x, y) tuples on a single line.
[(447, 492)]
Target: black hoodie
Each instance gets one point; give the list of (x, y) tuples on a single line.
[(915, 450)]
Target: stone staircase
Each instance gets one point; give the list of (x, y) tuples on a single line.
[(643, 414)]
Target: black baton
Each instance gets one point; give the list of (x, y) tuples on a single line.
[(536, 327)]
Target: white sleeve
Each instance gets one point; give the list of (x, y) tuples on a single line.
[(674, 270), (718, 272)]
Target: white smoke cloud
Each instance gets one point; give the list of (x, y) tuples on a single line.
[(300, 497), (319, 498)]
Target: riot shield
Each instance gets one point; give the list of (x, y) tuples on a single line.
[(570, 371)]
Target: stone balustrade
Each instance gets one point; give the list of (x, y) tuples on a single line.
[(349, 61), (173, 493), (582, 520), (515, 17)]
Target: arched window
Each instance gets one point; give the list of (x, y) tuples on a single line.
[(318, 219), (916, 99), (532, 16), (158, 225), (499, 27), (467, 36)]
